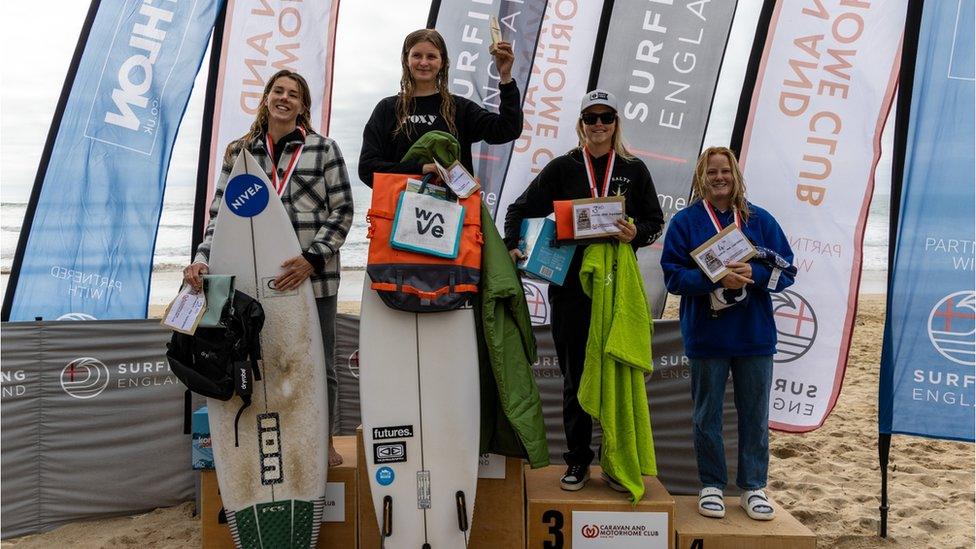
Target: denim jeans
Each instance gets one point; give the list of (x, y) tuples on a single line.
[(751, 380), (327, 307)]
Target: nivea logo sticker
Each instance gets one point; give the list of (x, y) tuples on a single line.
[(384, 476), (246, 195)]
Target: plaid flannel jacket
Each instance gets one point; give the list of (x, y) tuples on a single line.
[(318, 201)]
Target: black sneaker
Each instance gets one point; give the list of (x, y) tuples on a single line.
[(575, 477), (613, 484)]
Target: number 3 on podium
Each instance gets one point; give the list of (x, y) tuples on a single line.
[(555, 521)]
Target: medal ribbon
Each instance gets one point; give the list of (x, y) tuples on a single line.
[(283, 183), (591, 176), (714, 217)]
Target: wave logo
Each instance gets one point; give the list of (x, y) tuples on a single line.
[(590, 531), (84, 378), (952, 327), (353, 363), (796, 326), (535, 296), (76, 316)]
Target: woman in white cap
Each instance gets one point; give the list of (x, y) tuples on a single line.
[(599, 166)]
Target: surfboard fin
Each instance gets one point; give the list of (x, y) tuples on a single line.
[(387, 516), (462, 511)]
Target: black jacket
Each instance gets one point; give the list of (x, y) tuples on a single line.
[(382, 151)]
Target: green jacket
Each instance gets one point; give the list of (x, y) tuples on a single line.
[(511, 409), (618, 355)]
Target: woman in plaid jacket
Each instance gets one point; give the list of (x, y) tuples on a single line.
[(309, 173)]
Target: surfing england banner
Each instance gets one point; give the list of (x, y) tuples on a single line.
[(261, 37), (929, 352), (465, 28), (662, 61), (812, 141), (87, 244)]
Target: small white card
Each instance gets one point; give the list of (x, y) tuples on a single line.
[(335, 502), (491, 466), (458, 179), (185, 312), (620, 529), (596, 217), (727, 246)]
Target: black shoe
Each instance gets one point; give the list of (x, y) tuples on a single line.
[(575, 477), (613, 484)]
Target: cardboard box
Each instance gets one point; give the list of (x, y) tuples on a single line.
[(499, 508), (544, 258), (201, 452), (339, 526), (596, 516), (737, 530)]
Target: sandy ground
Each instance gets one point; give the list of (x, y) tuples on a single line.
[(829, 479)]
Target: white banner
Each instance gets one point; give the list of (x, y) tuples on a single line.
[(262, 37), (558, 81), (811, 145)]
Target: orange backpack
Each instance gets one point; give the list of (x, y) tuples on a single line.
[(417, 282)]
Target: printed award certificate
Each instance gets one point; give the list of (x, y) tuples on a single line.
[(727, 246), (595, 217)]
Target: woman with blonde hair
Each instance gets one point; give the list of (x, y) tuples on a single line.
[(600, 166), (728, 326), (424, 103), (308, 172)]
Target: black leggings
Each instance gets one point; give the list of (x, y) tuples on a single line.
[(570, 326)]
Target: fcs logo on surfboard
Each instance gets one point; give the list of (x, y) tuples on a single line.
[(246, 195)]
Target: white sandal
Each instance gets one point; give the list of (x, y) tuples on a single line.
[(711, 502), (757, 505)]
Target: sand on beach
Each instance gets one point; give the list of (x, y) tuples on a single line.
[(828, 479)]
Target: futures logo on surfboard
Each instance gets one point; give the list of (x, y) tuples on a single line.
[(246, 195)]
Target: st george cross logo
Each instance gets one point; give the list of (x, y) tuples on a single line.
[(952, 327), (84, 378), (796, 326), (535, 295)]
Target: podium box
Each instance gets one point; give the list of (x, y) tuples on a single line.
[(340, 520), (596, 516), (737, 530), (499, 506)]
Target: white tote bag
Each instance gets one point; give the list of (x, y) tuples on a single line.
[(427, 224)]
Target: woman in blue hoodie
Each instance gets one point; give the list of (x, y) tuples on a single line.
[(728, 326)]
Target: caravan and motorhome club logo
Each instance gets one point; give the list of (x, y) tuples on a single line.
[(796, 326), (84, 377)]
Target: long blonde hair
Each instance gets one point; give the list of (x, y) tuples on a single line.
[(699, 182), (405, 101), (616, 140)]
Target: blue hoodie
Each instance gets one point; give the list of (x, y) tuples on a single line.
[(747, 329)]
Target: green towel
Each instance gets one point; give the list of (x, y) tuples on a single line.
[(434, 145), (618, 355)]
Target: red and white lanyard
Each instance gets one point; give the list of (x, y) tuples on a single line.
[(714, 217), (281, 184), (591, 176)]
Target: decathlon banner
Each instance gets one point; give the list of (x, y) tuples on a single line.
[(559, 78), (662, 61), (87, 243), (464, 27), (260, 38), (927, 380), (812, 142)]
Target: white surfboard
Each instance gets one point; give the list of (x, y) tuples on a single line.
[(419, 392), (272, 483)]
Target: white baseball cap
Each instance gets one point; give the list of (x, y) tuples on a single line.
[(598, 97)]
